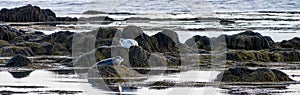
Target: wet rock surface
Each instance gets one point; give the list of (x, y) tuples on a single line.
[(243, 74)]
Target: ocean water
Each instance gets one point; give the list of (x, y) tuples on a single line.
[(71, 7)]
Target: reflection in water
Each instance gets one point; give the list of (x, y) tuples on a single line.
[(20, 74), (54, 83), (118, 89), (64, 72)]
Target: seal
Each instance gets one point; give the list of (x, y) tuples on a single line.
[(111, 61), (127, 43)]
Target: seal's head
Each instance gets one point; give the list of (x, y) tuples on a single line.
[(117, 60)]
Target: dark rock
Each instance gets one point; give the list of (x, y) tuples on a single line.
[(31, 13), (246, 41), (64, 38), (199, 42), (108, 33), (138, 18), (226, 22), (18, 61), (66, 19), (35, 47), (109, 52), (98, 18), (138, 57), (165, 41), (14, 50), (20, 74), (44, 48), (104, 36), (131, 32), (27, 13), (93, 12), (7, 33), (113, 73), (293, 43), (101, 53), (30, 36), (243, 74), (121, 13)]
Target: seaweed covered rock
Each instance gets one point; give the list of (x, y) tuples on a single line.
[(44, 48), (263, 56), (14, 50), (114, 73), (3, 43), (243, 74), (18, 61)]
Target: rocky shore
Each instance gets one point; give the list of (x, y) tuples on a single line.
[(159, 50)]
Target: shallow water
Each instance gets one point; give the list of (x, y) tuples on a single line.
[(46, 81)]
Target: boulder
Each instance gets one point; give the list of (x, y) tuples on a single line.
[(107, 36), (64, 38), (31, 13), (114, 73), (14, 50), (199, 42), (293, 43), (248, 41), (18, 61), (131, 32), (27, 13), (138, 57), (243, 41), (101, 53), (7, 33), (165, 41), (243, 74)]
